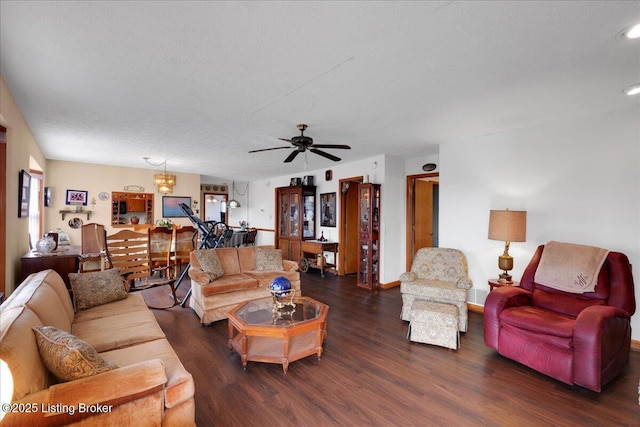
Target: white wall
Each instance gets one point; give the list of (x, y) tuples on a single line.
[(62, 175), (578, 180), (385, 170)]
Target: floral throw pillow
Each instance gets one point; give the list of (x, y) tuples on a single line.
[(268, 259), (67, 356), (210, 262), (97, 288)]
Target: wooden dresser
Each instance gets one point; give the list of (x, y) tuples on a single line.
[(64, 260)]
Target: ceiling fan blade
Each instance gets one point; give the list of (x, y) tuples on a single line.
[(268, 149), (292, 156), (285, 139), (325, 154), (342, 147)]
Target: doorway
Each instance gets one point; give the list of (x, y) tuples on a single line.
[(215, 207), (348, 228), (423, 195)]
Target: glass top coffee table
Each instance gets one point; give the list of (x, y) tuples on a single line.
[(258, 333)]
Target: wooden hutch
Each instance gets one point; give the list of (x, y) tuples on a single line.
[(295, 219)]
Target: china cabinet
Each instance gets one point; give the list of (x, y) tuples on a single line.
[(368, 235), (295, 219), (127, 206)]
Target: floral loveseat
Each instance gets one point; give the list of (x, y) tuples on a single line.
[(224, 277), (116, 369)]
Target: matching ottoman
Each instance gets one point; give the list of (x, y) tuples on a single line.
[(434, 323)]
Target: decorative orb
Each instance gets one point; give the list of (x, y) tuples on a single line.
[(280, 286)]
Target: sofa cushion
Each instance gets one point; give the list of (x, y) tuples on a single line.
[(229, 283), (132, 303), (210, 263), (268, 259), (264, 278), (97, 288), (120, 330), (68, 357)]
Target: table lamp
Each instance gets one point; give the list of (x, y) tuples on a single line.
[(509, 226)]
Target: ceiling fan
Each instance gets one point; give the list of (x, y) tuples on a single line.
[(303, 143)]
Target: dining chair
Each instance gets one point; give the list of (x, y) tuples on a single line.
[(93, 256), (185, 238), (129, 251), (160, 242)]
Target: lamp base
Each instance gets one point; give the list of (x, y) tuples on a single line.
[(505, 278)]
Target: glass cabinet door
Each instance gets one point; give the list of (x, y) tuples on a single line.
[(364, 210), (294, 221), (284, 211), (309, 205)]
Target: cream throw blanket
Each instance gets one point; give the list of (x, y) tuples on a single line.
[(569, 267)]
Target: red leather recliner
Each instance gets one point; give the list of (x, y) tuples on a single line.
[(582, 339)]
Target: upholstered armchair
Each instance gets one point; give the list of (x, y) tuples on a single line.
[(437, 275), (576, 338)]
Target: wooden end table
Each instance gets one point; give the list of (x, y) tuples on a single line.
[(260, 334), (495, 283)]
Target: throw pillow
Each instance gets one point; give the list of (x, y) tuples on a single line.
[(97, 288), (67, 356), (210, 262), (268, 259)]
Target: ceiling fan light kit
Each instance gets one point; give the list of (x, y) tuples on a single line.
[(302, 143)]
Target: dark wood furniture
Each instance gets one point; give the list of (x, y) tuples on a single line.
[(312, 250), (295, 219), (368, 235), (64, 260), (271, 336), (495, 283), (125, 205)]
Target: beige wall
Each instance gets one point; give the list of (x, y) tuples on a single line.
[(21, 148), (62, 176)]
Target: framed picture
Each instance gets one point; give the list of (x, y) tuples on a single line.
[(24, 193), (77, 197), (171, 208), (328, 209)]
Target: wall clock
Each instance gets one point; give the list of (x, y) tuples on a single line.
[(103, 196)]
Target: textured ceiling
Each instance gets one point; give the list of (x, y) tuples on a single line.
[(202, 83)]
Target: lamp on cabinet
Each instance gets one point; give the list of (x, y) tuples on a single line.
[(508, 226)]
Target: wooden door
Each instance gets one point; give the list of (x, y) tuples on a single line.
[(423, 215)]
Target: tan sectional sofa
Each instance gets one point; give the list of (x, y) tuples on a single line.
[(149, 387), (242, 280)]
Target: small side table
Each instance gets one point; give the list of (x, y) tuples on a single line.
[(495, 283)]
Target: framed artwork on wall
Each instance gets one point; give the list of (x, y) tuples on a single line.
[(77, 197), (171, 206), (328, 209), (24, 193)]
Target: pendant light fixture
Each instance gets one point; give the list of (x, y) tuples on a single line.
[(233, 203), (163, 181)]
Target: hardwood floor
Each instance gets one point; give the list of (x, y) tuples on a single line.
[(370, 374)]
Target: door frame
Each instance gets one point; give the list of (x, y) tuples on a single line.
[(342, 232), (410, 211)]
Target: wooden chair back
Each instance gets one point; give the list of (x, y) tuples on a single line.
[(160, 242), (129, 251), (93, 248)]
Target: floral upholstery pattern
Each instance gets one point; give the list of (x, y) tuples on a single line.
[(97, 288), (67, 356), (434, 323), (210, 263), (437, 275), (268, 259)]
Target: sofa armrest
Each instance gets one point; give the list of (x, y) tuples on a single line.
[(199, 276), (498, 300), (60, 403), (408, 276), (601, 338), (289, 265)]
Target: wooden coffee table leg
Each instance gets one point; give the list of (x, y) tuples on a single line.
[(285, 365)]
